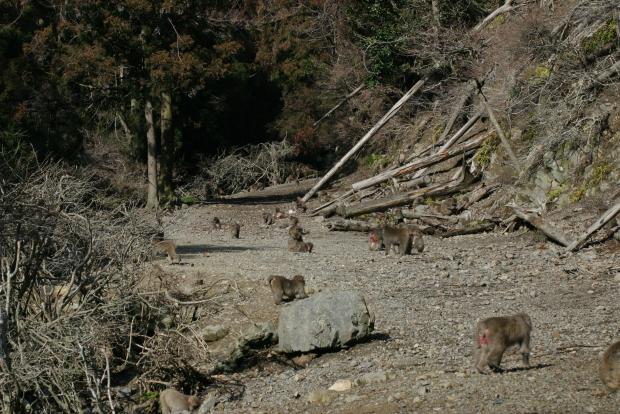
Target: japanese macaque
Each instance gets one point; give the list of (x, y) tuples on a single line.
[(404, 238), (167, 247), (446, 207), (268, 218), (172, 401), (300, 205), (234, 230), (279, 214), (215, 222), (289, 288), (299, 246), (494, 335), (375, 240), (609, 369)]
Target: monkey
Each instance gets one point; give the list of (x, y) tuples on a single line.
[(299, 246), (268, 218), (295, 233), (293, 221), (168, 247), (403, 237), (375, 240), (300, 205), (609, 370), (446, 207), (172, 401), (291, 288), (494, 335), (234, 230), (217, 225), (418, 241), (279, 214)]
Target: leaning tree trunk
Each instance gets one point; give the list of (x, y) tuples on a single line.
[(167, 149), (152, 200)]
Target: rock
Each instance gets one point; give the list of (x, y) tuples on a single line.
[(341, 385), (617, 277), (214, 333), (324, 321), (321, 396), (371, 378)]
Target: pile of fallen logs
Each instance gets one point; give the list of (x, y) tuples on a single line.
[(416, 184)]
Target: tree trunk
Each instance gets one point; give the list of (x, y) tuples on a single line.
[(167, 149), (152, 200)]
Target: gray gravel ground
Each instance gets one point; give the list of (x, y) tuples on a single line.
[(420, 359)]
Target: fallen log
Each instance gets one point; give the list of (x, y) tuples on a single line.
[(365, 138), (424, 162), (411, 214), (505, 8), (416, 182), (604, 219), (340, 224), (399, 199), (484, 227), (476, 195), (499, 131), (280, 190), (541, 225), (342, 102), (462, 131), (469, 90)]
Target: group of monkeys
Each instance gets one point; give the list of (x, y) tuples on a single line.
[(491, 338)]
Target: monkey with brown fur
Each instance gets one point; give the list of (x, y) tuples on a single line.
[(404, 238), (215, 222), (268, 218), (299, 246), (279, 214), (168, 247), (172, 401), (289, 288), (234, 230), (494, 335), (609, 370)]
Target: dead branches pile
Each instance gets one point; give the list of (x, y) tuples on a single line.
[(68, 311), (247, 167)]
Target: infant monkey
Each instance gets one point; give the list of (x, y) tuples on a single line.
[(172, 401), (168, 247), (299, 246), (234, 230), (290, 288), (215, 222), (609, 369), (494, 335), (268, 218)]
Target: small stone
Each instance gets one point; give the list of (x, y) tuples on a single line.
[(303, 360), (422, 391), (590, 292), (590, 409), (617, 277), (352, 398), (321, 396), (341, 385)]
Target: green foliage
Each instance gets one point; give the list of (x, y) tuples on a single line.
[(600, 39), (598, 174), (483, 156), (188, 199), (375, 161)]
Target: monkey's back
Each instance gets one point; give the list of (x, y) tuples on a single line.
[(610, 367), (511, 329)]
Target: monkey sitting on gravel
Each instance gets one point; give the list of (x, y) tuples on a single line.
[(289, 288)]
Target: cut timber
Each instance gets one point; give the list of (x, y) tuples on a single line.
[(604, 219), (462, 131), (411, 214), (469, 90), (501, 10), (422, 163), (423, 181), (502, 137), (476, 195), (340, 224), (366, 137), (479, 228), (346, 98), (541, 225), (398, 200), (291, 189), (335, 200)]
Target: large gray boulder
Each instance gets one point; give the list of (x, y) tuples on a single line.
[(325, 320)]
